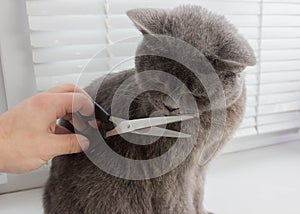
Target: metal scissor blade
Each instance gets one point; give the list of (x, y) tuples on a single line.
[(133, 125), (157, 131)]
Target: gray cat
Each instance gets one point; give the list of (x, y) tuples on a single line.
[(76, 185)]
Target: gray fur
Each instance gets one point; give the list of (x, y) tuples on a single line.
[(77, 186)]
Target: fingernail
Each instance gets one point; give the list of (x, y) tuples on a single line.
[(83, 142)]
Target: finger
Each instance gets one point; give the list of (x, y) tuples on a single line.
[(68, 88), (64, 89), (67, 144)]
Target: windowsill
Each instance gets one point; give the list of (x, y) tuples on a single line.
[(265, 180)]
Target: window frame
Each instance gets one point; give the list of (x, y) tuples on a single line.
[(3, 103), (16, 68), (16, 53)]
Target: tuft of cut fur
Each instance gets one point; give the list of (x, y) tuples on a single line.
[(76, 185)]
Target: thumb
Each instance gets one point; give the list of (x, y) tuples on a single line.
[(69, 144)]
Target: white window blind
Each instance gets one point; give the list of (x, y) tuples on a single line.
[(65, 34)]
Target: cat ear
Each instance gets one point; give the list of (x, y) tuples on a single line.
[(236, 55), (148, 21)]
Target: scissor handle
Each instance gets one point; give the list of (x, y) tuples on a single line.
[(88, 131), (102, 115), (106, 124)]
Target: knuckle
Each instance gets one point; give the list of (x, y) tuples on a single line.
[(71, 86), (79, 100)]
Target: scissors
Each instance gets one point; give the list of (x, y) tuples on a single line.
[(111, 125)]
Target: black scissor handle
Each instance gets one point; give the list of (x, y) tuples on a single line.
[(101, 114), (105, 123)]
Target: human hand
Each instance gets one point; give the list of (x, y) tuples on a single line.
[(29, 136)]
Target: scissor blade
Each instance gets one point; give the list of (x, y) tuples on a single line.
[(103, 116), (133, 125), (116, 120), (157, 131), (156, 121)]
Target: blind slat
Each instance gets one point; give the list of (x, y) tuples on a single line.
[(251, 100), (69, 67), (118, 6), (281, 21), (282, 9), (69, 53), (280, 65), (62, 38), (279, 97), (245, 132), (282, 1), (286, 76), (280, 55), (278, 108), (277, 118), (275, 44), (64, 23), (68, 7), (250, 111), (81, 80), (122, 21), (279, 127), (65, 53), (280, 87), (280, 32), (248, 122)]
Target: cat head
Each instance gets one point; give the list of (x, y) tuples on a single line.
[(222, 47)]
